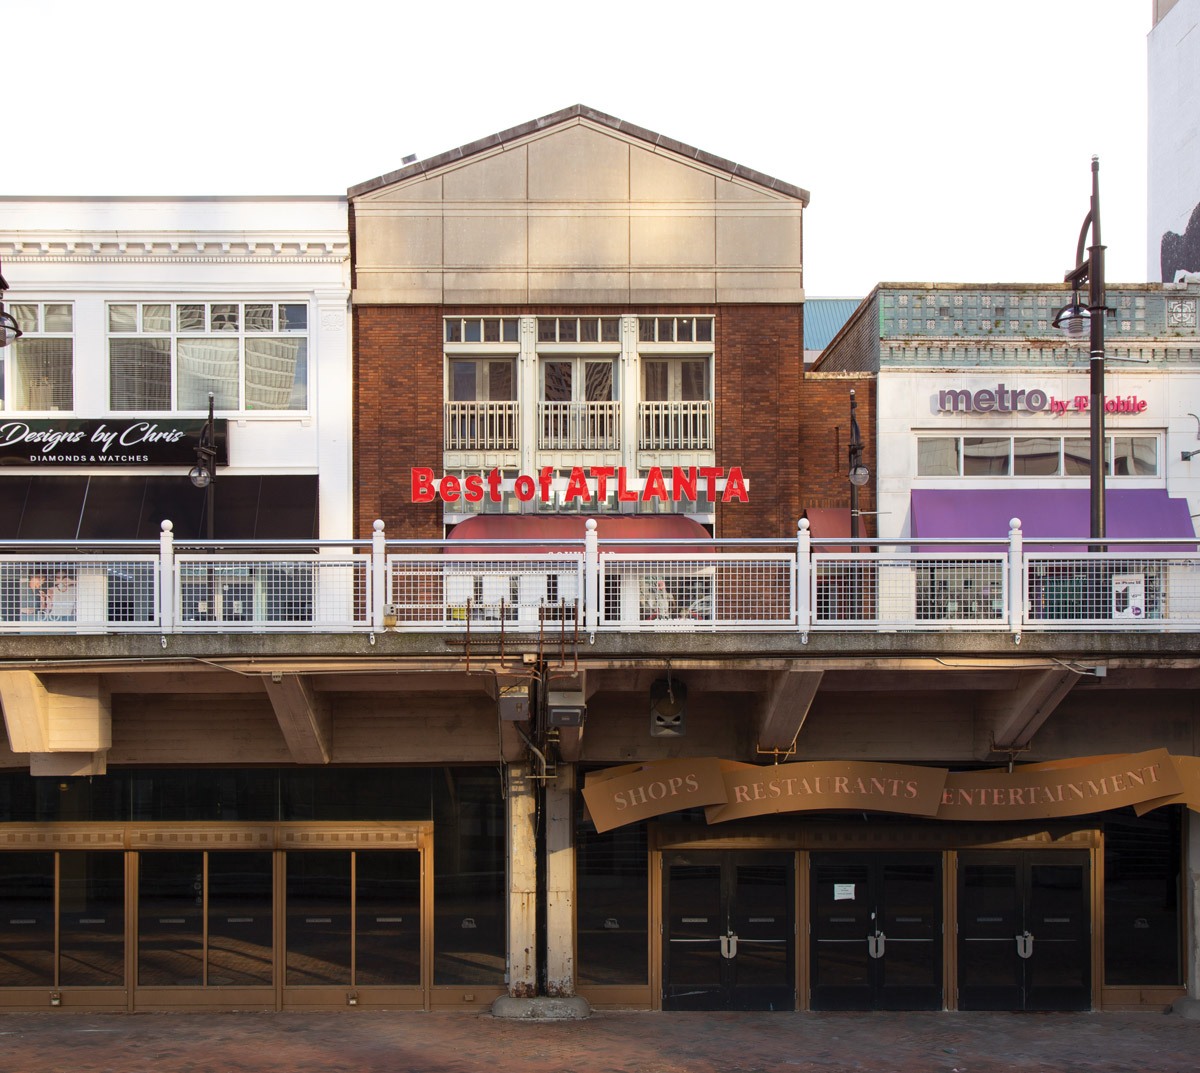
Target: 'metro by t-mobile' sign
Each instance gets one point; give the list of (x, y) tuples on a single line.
[(1005, 400), (587, 483)]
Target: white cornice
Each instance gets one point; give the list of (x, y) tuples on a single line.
[(158, 248)]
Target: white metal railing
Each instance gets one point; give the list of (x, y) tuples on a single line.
[(579, 426), (481, 426), (591, 585), (675, 426)]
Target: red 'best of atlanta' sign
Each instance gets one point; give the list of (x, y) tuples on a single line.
[(587, 483)]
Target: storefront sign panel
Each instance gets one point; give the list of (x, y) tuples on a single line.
[(1034, 795), (829, 784), (652, 790), (112, 442), (731, 790)]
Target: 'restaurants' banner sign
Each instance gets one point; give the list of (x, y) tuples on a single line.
[(119, 442), (732, 790), (586, 484)]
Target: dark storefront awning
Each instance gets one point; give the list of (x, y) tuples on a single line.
[(1051, 512), (551, 530), (45, 506)]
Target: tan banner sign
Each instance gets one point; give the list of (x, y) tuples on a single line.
[(652, 789), (1025, 794), (829, 784), (732, 790)]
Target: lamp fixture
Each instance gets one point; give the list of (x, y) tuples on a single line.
[(204, 472), (668, 706), (9, 331)]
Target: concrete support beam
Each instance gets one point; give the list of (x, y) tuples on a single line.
[(26, 711), (303, 717), (521, 796), (560, 883), (789, 697), (58, 713), (1030, 704)]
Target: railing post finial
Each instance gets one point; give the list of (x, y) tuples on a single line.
[(378, 575), (803, 580), (1016, 578), (591, 575)]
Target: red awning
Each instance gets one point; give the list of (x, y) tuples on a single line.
[(828, 521), (550, 530)]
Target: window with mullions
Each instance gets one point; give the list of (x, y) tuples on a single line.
[(37, 372), (1033, 456), (169, 356), (675, 329)]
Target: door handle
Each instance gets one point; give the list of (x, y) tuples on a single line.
[(876, 944), (1024, 945), (729, 946)]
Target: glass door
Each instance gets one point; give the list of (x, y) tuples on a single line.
[(729, 931), (876, 931), (62, 923), (1024, 930), (205, 928), (353, 921)]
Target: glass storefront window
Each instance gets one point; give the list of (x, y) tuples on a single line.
[(26, 920), (611, 896), (986, 456), (1143, 925), (91, 916), (469, 856)]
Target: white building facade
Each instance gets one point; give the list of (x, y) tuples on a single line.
[(133, 310)]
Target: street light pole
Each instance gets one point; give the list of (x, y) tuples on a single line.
[(858, 474), (1090, 270), (204, 473)]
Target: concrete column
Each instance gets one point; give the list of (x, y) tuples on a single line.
[(560, 883), (522, 882)]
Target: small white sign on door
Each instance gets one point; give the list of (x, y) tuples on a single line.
[(843, 892)]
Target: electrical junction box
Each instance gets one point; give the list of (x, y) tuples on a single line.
[(566, 709), (514, 703)]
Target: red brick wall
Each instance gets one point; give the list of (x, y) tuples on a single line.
[(398, 393), (759, 369), (825, 440)]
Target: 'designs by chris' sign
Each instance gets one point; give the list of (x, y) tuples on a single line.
[(121, 442)]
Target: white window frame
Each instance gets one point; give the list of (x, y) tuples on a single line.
[(8, 356), (174, 334)]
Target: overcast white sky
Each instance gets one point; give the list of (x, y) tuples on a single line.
[(940, 139)]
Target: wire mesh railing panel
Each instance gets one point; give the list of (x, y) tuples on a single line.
[(1111, 591), (286, 592), (78, 595), (457, 592), (682, 592), (912, 591)]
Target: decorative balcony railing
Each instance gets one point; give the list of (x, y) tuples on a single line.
[(481, 426), (579, 426), (675, 426), (595, 586)]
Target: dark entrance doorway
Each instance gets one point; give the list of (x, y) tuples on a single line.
[(1024, 930), (876, 931), (730, 931)]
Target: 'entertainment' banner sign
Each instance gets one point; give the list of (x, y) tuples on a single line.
[(108, 442)]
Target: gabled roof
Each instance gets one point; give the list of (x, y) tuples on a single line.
[(580, 111)]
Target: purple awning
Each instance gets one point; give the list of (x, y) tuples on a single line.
[(1051, 512)]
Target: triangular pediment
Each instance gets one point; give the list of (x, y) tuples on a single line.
[(576, 155)]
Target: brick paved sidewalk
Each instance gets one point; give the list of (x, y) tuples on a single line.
[(366, 1041)]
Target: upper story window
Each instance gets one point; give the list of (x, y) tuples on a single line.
[(675, 379), (483, 329), (1033, 456), (169, 356), (579, 329), (37, 373), (675, 329)]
